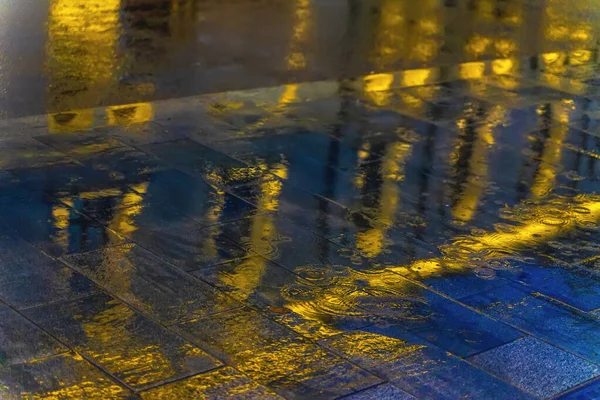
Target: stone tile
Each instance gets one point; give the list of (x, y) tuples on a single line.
[(541, 94), (589, 391), (276, 357), (419, 368), (29, 278), (124, 210), (573, 286), (66, 376), (188, 245), (194, 198), (21, 341), (561, 326), (17, 153), (80, 144), (132, 213), (150, 284), (53, 227), (466, 283), (67, 179), (144, 133), (536, 367), (382, 297), (387, 246), (294, 248), (218, 384), (381, 392), (457, 329), (288, 148), (312, 212), (266, 286), (129, 346), (438, 91), (124, 163), (214, 167)]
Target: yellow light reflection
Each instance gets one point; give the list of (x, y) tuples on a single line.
[(550, 159), (81, 55), (377, 86), (471, 70), (130, 114), (372, 242), (538, 225), (296, 58), (465, 208)]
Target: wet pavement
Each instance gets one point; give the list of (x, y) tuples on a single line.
[(428, 230), (59, 55)]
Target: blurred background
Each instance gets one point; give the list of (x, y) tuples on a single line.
[(59, 55)]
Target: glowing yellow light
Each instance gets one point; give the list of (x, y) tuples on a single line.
[(471, 70), (502, 66), (72, 121), (130, 114), (419, 77)]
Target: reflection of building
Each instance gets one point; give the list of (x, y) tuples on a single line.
[(109, 52), (81, 58)]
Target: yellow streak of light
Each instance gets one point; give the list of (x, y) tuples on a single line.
[(549, 161), (130, 114), (471, 70), (81, 55), (372, 242)]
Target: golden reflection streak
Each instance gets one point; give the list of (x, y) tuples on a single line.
[(550, 159), (389, 39), (81, 58), (397, 38), (79, 385), (372, 242), (545, 222), (146, 362), (129, 114), (248, 273), (466, 206), (296, 59)]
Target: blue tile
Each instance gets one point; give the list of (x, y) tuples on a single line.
[(293, 148), (294, 248), (80, 144), (573, 286), (381, 392), (18, 153), (53, 227), (589, 391), (65, 179), (29, 277), (21, 341), (536, 367), (214, 167), (124, 163), (220, 383), (312, 212), (561, 326), (419, 368), (188, 245), (192, 197), (443, 322)]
